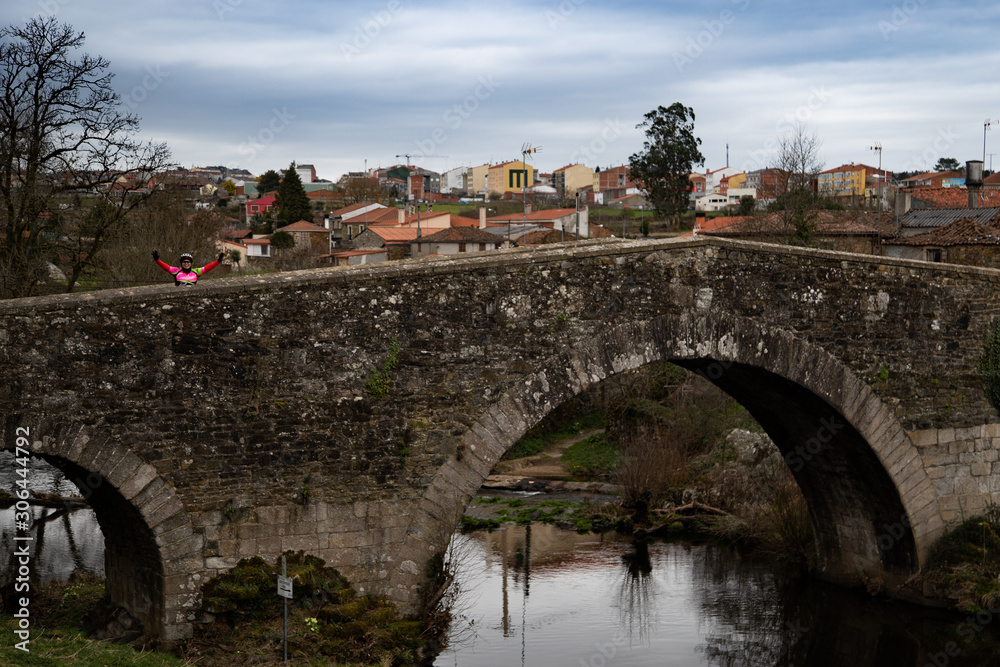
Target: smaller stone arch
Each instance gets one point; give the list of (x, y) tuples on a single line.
[(153, 556), (884, 532)]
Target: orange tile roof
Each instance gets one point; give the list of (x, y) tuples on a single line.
[(394, 233)]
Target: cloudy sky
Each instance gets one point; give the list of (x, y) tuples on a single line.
[(254, 84)]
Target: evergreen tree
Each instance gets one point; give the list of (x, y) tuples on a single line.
[(293, 204), (268, 181), (669, 153)]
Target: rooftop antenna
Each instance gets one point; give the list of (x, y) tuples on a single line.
[(526, 150), (408, 156), (877, 147)]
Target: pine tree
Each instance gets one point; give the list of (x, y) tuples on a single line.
[(293, 204)]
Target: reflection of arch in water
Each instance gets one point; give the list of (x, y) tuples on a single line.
[(151, 550), (873, 509)]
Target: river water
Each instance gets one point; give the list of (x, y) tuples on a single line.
[(540, 595), (64, 541)]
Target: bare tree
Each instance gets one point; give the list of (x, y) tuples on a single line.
[(798, 161), (62, 130)]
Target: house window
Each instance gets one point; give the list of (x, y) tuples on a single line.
[(482, 247), (934, 254), (461, 247)]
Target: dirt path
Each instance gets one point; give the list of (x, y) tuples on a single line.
[(547, 463)]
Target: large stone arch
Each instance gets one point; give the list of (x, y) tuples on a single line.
[(153, 557), (871, 502)]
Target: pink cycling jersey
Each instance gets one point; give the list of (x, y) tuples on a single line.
[(182, 277)]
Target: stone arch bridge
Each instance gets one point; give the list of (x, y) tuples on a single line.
[(233, 419)]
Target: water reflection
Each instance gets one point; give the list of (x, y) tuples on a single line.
[(549, 596), (65, 538)]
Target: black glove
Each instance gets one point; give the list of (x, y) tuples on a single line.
[(156, 256), (219, 258)]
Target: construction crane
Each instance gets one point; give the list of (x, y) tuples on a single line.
[(408, 156)]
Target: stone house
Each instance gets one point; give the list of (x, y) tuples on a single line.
[(964, 241)]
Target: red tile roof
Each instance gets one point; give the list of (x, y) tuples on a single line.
[(460, 235), (302, 226), (952, 197), (961, 232), (827, 223)]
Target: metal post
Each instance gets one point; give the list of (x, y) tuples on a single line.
[(284, 619)]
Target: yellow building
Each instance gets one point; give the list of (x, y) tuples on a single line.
[(848, 180), (737, 181), (510, 176), (477, 180), (567, 180)]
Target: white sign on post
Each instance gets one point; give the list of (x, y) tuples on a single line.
[(285, 587)]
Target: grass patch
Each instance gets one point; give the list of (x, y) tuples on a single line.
[(594, 457), (57, 611), (966, 561), (552, 430), (470, 524)]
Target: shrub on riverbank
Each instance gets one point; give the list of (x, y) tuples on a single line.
[(965, 563), (328, 623), (326, 618)]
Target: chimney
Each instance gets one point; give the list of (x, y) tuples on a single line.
[(902, 202), (527, 209), (401, 217), (973, 180), (326, 221), (482, 217)]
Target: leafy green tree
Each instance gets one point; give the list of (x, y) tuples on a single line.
[(63, 128), (293, 204), (747, 205), (268, 181), (947, 164), (668, 156), (282, 241), (229, 186)]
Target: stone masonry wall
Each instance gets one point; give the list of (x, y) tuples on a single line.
[(234, 416)]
